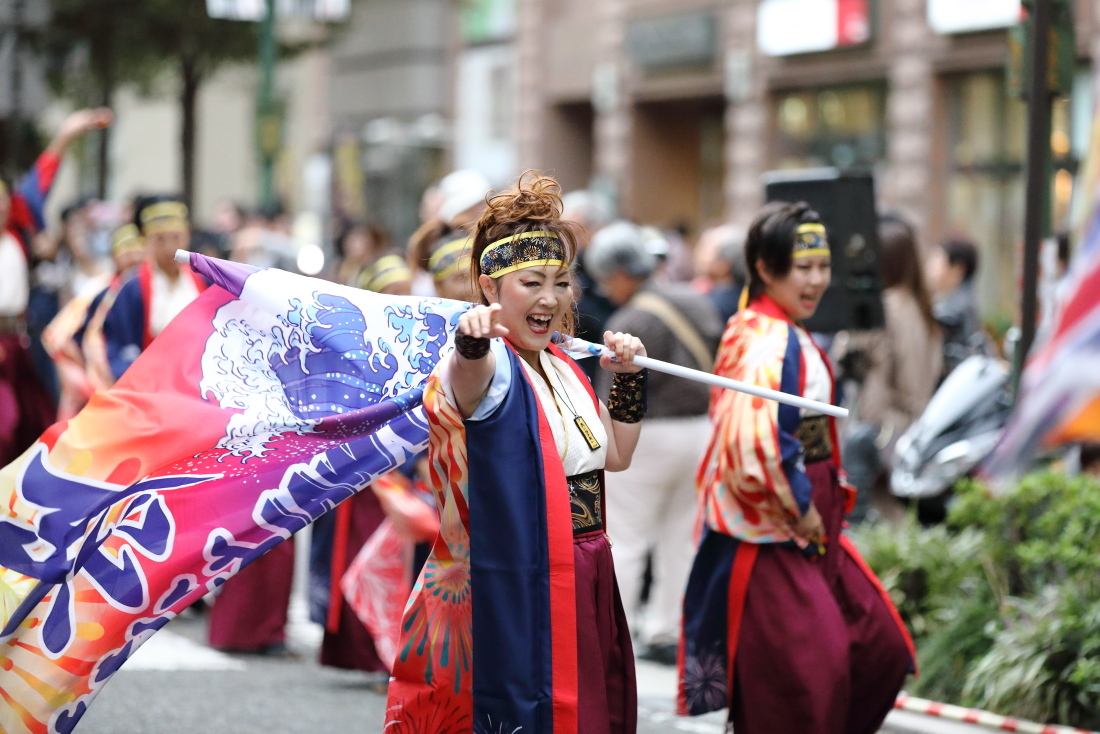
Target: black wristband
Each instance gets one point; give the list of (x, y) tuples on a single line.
[(627, 402), (471, 347)]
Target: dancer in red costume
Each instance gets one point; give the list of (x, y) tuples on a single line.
[(783, 622), (516, 623)]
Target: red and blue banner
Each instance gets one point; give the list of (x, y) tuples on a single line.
[(265, 404)]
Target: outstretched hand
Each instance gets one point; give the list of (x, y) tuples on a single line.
[(80, 122), (625, 348), (482, 322)]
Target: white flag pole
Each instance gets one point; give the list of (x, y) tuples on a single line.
[(581, 348)]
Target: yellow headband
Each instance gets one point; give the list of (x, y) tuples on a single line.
[(451, 258), (810, 240), (388, 270), (524, 250), (164, 216), (3, 188), (126, 239)]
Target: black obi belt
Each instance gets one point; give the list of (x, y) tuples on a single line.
[(817, 440), (586, 502)]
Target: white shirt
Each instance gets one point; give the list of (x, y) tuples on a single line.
[(562, 404), (169, 298), (819, 386), (15, 285)]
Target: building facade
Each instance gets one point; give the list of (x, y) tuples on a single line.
[(389, 102), (678, 107)]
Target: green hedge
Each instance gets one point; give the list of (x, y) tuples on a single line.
[(1004, 600)]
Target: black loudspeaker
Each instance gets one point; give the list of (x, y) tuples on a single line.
[(846, 203)]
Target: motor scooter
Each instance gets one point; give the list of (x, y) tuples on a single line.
[(955, 433)]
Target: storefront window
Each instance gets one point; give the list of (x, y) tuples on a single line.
[(986, 184), (832, 126)]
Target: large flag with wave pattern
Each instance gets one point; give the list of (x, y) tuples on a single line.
[(262, 406), (1059, 398)]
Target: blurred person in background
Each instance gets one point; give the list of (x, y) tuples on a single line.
[(26, 408), (387, 271), (951, 268), (900, 364), (86, 271), (720, 267), (784, 624), (161, 288), (88, 277), (355, 249), (675, 257), (447, 211), (462, 199), (654, 500), (128, 253), (591, 211), (449, 265), (265, 240)]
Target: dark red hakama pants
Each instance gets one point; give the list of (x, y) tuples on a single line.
[(249, 613), (349, 645), (26, 409), (607, 688), (817, 648)]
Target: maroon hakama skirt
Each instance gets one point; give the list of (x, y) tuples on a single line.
[(815, 646), (347, 643), (26, 409), (250, 610), (607, 688)]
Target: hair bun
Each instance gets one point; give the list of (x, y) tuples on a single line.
[(535, 198)]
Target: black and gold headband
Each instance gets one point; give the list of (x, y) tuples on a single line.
[(453, 257), (810, 240), (525, 250)]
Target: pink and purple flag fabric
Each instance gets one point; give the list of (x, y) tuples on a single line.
[(1059, 398), (261, 407)]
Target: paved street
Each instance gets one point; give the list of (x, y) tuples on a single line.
[(175, 683)]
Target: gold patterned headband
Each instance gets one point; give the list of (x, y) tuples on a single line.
[(388, 270), (453, 257), (524, 250), (164, 216), (810, 240), (125, 239)]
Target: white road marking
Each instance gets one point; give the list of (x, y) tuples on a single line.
[(168, 651)]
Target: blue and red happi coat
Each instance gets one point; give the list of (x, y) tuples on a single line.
[(752, 479), (489, 640)]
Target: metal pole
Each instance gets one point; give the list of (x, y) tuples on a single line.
[(1038, 178), (265, 106)]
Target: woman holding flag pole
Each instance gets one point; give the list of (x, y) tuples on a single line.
[(515, 622), (783, 622)]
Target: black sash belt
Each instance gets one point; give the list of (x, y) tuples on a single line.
[(586, 502), (817, 441)]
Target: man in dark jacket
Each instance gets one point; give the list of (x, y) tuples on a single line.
[(652, 504), (951, 268)]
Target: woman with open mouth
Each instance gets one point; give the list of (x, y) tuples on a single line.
[(515, 624), (783, 622)]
